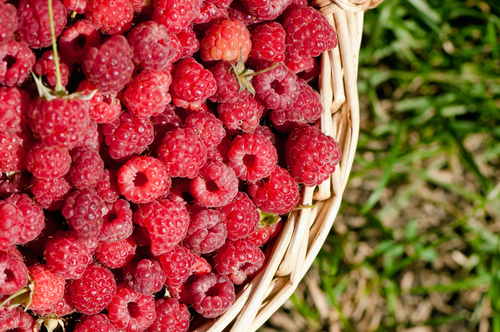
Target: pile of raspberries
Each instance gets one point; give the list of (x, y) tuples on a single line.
[(142, 187)]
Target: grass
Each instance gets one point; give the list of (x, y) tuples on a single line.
[(416, 246)]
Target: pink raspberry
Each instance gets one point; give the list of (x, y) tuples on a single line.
[(191, 84), (34, 24), (219, 152), (87, 167), (107, 188), (298, 64), (92, 137), (239, 260), (241, 115), (103, 107), (210, 12), (13, 274), (266, 9), (175, 15), (253, 157), (117, 254), (109, 67), (78, 6), (268, 43), (308, 33), (13, 105), (13, 151), (311, 155), (50, 194), (111, 17), (48, 288), (241, 217), (83, 211), (16, 62), (183, 153), (207, 232), (117, 223), (94, 291), (63, 307), (171, 315), (8, 22), (189, 42), (143, 179), (228, 88), (131, 311), (166, 221), (226, 40), (45, 66), (147, 94), (33, 219), (11, 221), (145, 276), (129, 136), (20, 321), (216, 185), (99, 322), (206, 125), (75, 40), (212, 295), (48, 163)]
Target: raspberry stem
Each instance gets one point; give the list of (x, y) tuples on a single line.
[(59, 86)]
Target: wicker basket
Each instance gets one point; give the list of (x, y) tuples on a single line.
[(305, 231)]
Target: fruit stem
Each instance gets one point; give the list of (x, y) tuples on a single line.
[(59, 87)]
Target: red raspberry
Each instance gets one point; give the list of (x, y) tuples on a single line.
[(215, 186), (8, 22), (33, 219), (219, 152), (50, 194), (75, 40), (78, 6), (92, 137), (87, 167), (48, 163), (48, 288), (212, 295), (145, 276), (298, 64), (241, 115), (16, 62), (166, 221), (83, 211), (117, 254), (239, 260), (175, 15), (107, 188), (45, 65), (11, 221), (207, 232), (151, 45), (13, 151), (19, 322), (147, 94), (109, 67), (266, 132), (189, 42), (103, 108), (181, 193), (171, 315), (129, 136), (63, 307), (311, 71), (183, 153), (99, 322), (131, 311), (13, 274), (226, 40), (15, 183), (210, 12), (228, 88), (143, 179), (191, 84), (266, 9), (164, 122), (241, 216), (253, 157), (111, 17), (237, 11), (308, 33), (66, 257), (311, 155), (94, 291), (13, 105), (277, 88), (34, 24), (206, 125), (117, 222), (268, 43)]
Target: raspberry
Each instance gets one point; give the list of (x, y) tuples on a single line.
[(226, 40), (87, 167), (308, 33), (13, 274), (99, 322), (147, 94), (181, 193), (206, 233), (8, 316), (111, 17), (311, 155), (33, 219), (83, 211), (219, 152), (129, 136), (109, 67), (241, 217), (239, 260), (48, 163), (16, 62), (228, 88), (237, 11), (266, 9), (164, 122), (13, 151), (189, 42), (34, 25), (298, 64), (215, 186), (78, 6), (175, 15), (131, 311), (15, 183), (183, 153), (268, 43), (13, 105), (277, 88), (92, 137), (59, 122), (212, 295), (171, 315), (191, 84), (48, 288), (103, 108), (66, 257), (143, 179), (75, 40), (266, 132), (206, 125), (94, 291), (252, 157), (107, 188), (117, 254), (145, 276), (45, 66), (50, 194), (8, 22), (63, 307), (166, 221), (117, 222), (241, 115), (210, 12), (11, 221), (20, 322)]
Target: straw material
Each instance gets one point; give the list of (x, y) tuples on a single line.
[(305, 231)]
